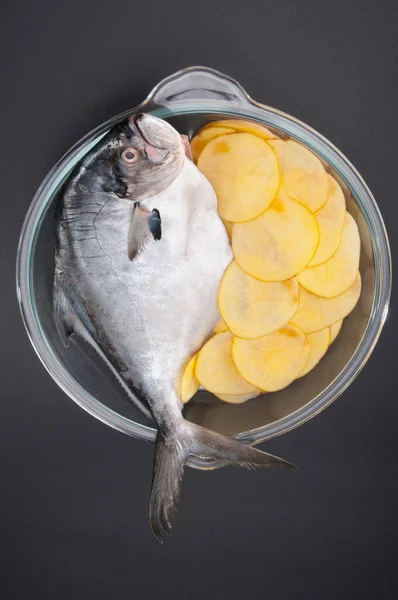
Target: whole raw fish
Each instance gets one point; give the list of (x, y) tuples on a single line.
[(139, 254)]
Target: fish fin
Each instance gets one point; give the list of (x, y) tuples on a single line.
[(168, 467), (210, 444), (187, 146), (155, 224), (69, 321), (171, 454), (143, 224), (64, 316)]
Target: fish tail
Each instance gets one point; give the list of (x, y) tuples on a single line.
[(172, 452)]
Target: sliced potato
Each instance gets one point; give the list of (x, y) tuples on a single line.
[(228, 226), (315, 313), (330, 219), (188, 384), (278, 244), (273, 361), (253, 308), (244, 126), (206, 135), (319, 343), (237, 399), (335, 276), (215, 368), (216, 128), (220, 326), (244, 173), (303, 177), (335, 330)]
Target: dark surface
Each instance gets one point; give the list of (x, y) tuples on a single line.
[(74, 493)]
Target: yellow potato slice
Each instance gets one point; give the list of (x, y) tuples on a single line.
[(278, 244), (216, 128), (315, 313), (335, 276), (216, 371), (330, 219), (319, 343), (335, 330), (253, 308), (206, 135), (273, 361), (228, 226), (244, 173), (303, 177), (188, 384), (220, 326), (244, 126), (237, 399)]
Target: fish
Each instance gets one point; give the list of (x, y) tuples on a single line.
[(139, 254)]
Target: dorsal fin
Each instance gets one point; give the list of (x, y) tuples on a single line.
[(68, 322), (64, 316)]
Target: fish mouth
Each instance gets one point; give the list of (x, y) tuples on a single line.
[(155, 132), (136, 124)]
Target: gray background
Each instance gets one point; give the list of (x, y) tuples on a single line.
[(74, 493)]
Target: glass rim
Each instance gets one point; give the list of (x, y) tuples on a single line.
[(244, 107)]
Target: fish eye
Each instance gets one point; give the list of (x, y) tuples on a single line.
[(129, 155)]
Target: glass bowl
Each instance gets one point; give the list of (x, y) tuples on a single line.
[(189, 99)]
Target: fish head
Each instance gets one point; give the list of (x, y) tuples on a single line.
[(146, 155)]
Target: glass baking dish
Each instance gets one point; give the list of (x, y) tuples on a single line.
[(189, 99)]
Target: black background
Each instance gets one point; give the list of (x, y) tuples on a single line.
[(74, 493)]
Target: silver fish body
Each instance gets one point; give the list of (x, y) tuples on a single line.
[(140, 252)]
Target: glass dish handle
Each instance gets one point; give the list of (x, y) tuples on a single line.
[(196, 85)]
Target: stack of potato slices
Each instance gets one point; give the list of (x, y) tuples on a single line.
[(295, 273)]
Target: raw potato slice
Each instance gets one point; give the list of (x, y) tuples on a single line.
[(206, 135), (244, 126), (278, 244), (319, 343), (253, 308), (335, 330), (273, 361), (335, 276), (228, 227), (315, 313), (235, 399), (330, 219), (189, 384), (216, 371), (303, 177), (220, 326), (244, 173)]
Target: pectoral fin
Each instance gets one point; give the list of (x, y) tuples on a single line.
[(155, 224), (144, 224), (187, 146)]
